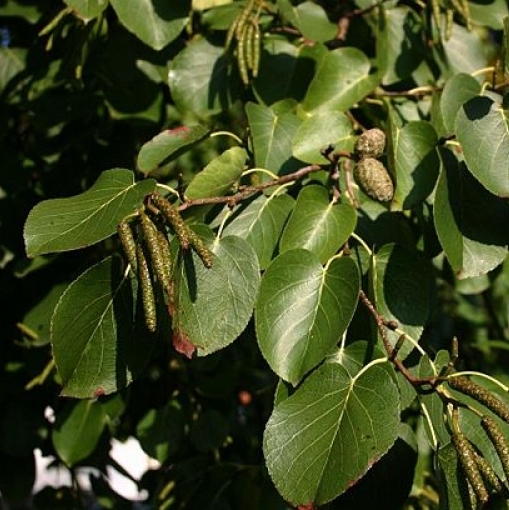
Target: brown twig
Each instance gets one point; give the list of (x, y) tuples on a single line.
[(246, 191), (382, 326)]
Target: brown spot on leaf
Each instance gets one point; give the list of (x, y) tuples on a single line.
[(183, 345)]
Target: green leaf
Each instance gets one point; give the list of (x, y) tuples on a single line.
[(467, 220), (319, 131), (38, 318), (168, 145), (492, 17), (317, 224), (399, 44), (77, 430), (155, 22), (272, 136), (310, 19), (12, 61), (341, 80), (88, 9), (219, 175), (437, 430), (482, 128), (63, 224), (200, 80), (303, 309), (463, 51), (452, 496), (402, 288), (260, 223), (213, 306), (161, 430), (96, 349), (457, 91), (285, 70), (322, 439), (414, 161)]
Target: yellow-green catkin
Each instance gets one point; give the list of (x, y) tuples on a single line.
[(203, 252), (151, 238), (147, 290), (166, 255), (126, 237), (256, 50), (466, 456), (488, 473), (482, 395), (173, 217), (499, 441)]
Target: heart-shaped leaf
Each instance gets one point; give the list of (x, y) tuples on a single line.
[(319, 131), (155, 22), (272, 135), (323, 438), (219, 175), (482, 128), (168, 145), (457, 91), (414, 162), (97, 350), (303, 309), (200, 79), (317, 224), (341, 80), (260, 223), (212, 306), (63, 224)]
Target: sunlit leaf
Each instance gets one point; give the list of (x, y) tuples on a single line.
[(323, 438), (63, 224), (155, 22), (457, 91), (260, 223), (482, 128), (200, 80), (168, 145), (414, 161), (342, 78), (319, 131), (96, 348), (213, 305), (317, 224), (303, 309), (219, 175), (272, 136)]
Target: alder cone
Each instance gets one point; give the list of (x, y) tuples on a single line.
[(371, 143), (374, 179)]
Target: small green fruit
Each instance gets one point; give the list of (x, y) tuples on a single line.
[(370, 144), (374, 179)]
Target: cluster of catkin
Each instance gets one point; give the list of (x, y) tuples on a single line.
[(370, 173), (450, 7), (246, 31), (482, 479), (145, 243)]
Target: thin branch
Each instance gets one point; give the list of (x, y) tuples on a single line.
[(382, 326), (246, 191)]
